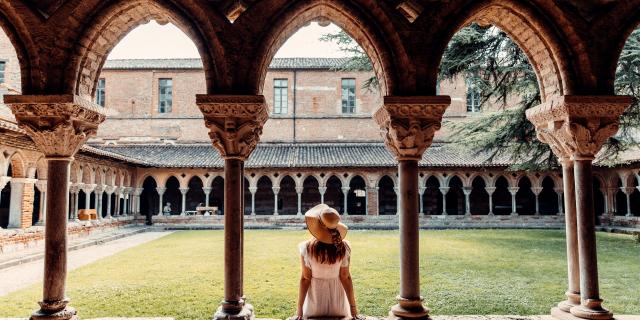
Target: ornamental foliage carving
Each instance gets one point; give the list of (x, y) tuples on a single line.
[(408, 124), (577, 126), (58, 125), (235, 122)]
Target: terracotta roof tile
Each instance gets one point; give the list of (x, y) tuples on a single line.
[(180, 64)]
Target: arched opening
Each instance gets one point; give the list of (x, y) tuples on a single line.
[(479, 198), (598, 198), (334, 197), (195, 195), (548, 198), (310, 193), (357, 197), (635, 198), (287, 197), (432, 197), (264, 197), (149, 198), (621, 199), (5, 200), (455, 197), (106, 200), (502, 197), (525, 198), (216, 198), (387, 197), (247, 196), (82, 196), (172, 197)]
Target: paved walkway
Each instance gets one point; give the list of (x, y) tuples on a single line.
[(23, 275)]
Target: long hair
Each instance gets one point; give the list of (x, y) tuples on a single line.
[(328, 253)]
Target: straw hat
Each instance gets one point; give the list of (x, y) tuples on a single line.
[(320, 219)]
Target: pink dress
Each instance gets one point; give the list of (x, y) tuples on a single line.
[(326, 296)]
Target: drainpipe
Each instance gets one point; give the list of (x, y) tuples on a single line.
[(295, 85)]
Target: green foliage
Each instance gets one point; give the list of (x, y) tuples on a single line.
[(479, 272), (494, 65)]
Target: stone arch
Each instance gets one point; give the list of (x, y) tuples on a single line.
[(287, 197), (149, 198), (455, 199), (18, 165), (41, 168), (310, 192), (381, 48), (534, 34), (195, 195), (264, 196), (387, 197), (87, 174), (357, 196), (432, 197), (113, 22), (548, 198), (334, 197)]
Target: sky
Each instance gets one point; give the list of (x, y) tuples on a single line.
[(156, 41)]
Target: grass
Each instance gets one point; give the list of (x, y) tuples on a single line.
[(463, 272)]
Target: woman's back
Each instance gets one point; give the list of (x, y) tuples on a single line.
[(322, 270)]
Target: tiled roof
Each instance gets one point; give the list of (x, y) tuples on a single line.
[(276, 63), (299, 155)]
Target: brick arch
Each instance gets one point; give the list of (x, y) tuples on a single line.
[(112, 23), (15, 26), (536, 37), (381, 48), (18, 165)]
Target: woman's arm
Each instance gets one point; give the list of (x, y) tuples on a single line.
[(347, 284), (305, 282)]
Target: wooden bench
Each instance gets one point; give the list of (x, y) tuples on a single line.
[(87, 214), (203, 210)]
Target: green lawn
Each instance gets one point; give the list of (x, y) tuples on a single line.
[(463, 272)]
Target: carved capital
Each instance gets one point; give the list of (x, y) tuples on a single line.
[(58, 124), (408, 124), (577, 126), (235, 122)]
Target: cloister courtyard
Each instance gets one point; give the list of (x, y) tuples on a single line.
[(462, 272)]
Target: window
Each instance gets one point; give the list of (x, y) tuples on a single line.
[(165, 95), (473, 98), (280, 99), (100, 97), (3, 65), (349, 95)]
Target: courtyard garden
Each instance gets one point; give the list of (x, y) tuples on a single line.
[(463, 272)]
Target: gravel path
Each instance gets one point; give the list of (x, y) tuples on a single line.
[(18, 277)]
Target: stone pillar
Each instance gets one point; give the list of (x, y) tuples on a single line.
[(513, 191), (490, 191), (184, 191), (536, 191), (299, 192), (397, 191), (235, 124), (160, 191), (207, 194), (15, 205), (421, 191), (345, 193), (42, 187), (577, 127), (253, 191), (137, 192), (99, 191), (444, 191), (74, 189), (611, 196), (627, 192), (275, 190), (372, 201), (109, 192), (408, 125), (322, 191), (467, 203), (59, 126), (559, 191)]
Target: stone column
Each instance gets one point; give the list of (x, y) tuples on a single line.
[(627, 192), (299, 192), (59, 126), (536, 191), (74, 190), (397, 191), (467, 203), (513, 191), (345, 193), (137, 192), (160, 191), (99, 192), (577, 127), (611, 195), (207, 194), (109, 190), (322, 191), (275, 190), (372, 201), (559, 191), (42, 187), (15, 205), (235, 124), (184, 191), (253, 191), (421, 191), (490, 191), (408, 125), (444, 191)]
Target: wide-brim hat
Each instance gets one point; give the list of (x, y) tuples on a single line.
[(320, 219)]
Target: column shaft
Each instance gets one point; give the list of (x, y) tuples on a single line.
[(573, 266), (233, 230)]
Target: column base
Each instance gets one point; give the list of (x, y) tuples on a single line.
[(54, 310), (409, 309), (235, 311), (592, 309), (573, 300)]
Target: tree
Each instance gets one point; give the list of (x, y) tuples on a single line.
[(498, 69)]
